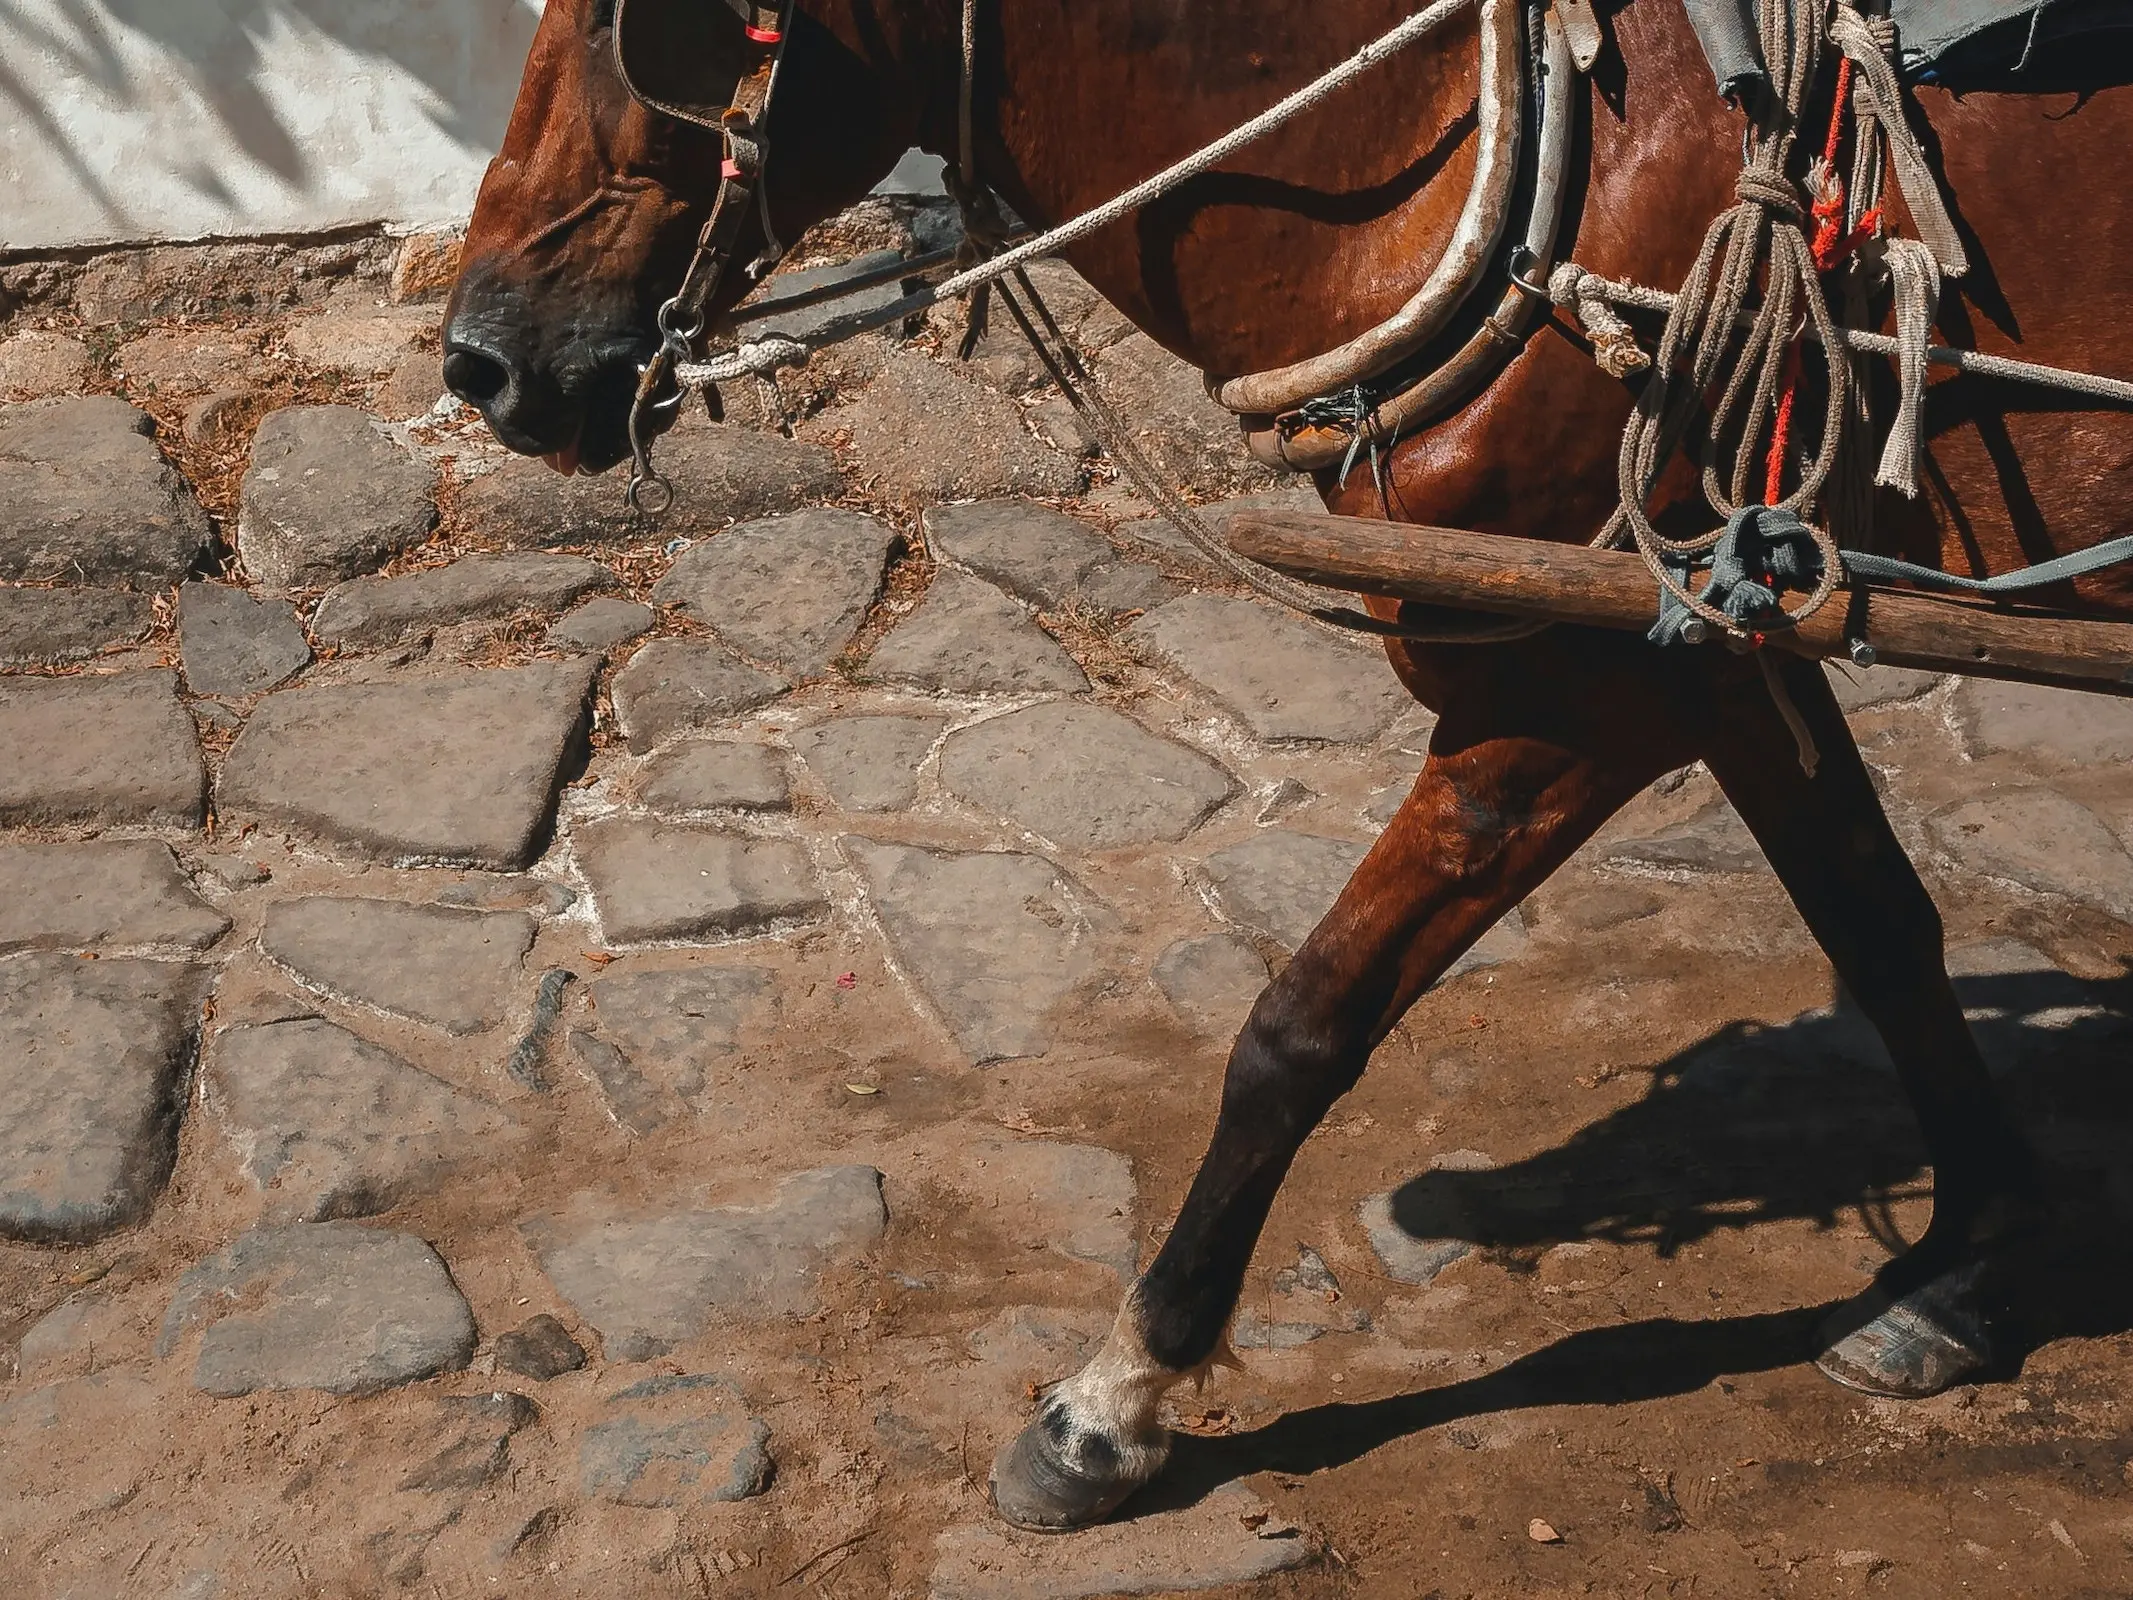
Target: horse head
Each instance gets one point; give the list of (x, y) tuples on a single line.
[(587, 218)]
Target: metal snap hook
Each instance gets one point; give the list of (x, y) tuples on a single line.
[(1520, 262)]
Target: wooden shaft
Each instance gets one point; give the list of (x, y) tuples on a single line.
[(1612, 589)]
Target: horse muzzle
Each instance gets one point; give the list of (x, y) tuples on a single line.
[(556, 385)]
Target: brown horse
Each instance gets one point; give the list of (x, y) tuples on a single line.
[(587, 219)]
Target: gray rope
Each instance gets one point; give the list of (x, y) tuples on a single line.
[(1578, 285)]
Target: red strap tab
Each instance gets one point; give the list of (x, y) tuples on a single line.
[(730, 169), (763, 35)]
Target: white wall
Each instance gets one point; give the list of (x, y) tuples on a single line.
[(125, 120)]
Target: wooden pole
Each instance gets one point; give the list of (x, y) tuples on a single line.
[(1612, 589)]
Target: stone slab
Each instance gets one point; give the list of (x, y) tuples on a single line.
[(804, 322), (539, 1348), (2022, 1006), (461, 971), (675, 686), (1870, 688), (677, 1439), (320, 1305), (1713, 840), (1083, 776), (2041, 840), (1156, 535), (186, 360), (654, 882), (328, 1125), (461, 768), (633, 1100), (1280, 883), (1410, 1231), (1211, 981), (1041, 556), (721, 475), (39, 365), (601, 625), (676, 1025), (969, 638), (994, 940), (86, 497), (51, 627), (412, 388), (469, 1440), (649, 1283), (329, 495), (788, 591), (1187, 437), (869, 763), (711, 775), (111, 750), (1076, 1199), (922, 433), (361, 338), (1229, 1537), (96, 1054), (124, 892), (2061, 725), (234, 644), (1504, 940), (373, 611), (1282, 677)]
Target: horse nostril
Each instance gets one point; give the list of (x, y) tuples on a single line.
[(476, 378)]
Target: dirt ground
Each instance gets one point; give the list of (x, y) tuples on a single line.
[(1669, 1156)]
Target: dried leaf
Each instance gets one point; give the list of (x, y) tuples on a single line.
[(861, 1088)]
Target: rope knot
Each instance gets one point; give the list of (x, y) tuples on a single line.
[(1762, 552), (1563, 284), (1615, 350), (1773, 191)]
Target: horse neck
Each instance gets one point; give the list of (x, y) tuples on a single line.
[(1309, 237)]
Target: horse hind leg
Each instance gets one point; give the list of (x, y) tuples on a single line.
[(1925, 1323), (1521, 771)]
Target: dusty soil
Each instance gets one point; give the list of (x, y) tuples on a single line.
[(1669, 1168)]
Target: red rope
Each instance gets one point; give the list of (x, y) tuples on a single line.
[(1831, 245), (1781, 430)]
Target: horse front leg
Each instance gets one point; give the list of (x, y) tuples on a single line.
[(1924, 1324), (1540, 743)]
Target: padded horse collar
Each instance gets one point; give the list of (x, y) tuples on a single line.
[(661, 48)]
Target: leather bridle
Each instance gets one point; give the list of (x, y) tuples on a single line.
[(739, 123)]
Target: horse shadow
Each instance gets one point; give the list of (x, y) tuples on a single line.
[(1753, 1124)]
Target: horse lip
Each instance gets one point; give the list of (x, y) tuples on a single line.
[(565, 460)]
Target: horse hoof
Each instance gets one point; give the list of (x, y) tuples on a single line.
[(1053, 1478), (1912, 1345)]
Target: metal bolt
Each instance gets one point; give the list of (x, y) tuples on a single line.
[(1862, 653), (1695, 631)]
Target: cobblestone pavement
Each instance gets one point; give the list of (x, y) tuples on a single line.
[(545, 1057)]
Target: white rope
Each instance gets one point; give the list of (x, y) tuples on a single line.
[(694, 374), (1284, 111), (1914, 281), (1577, 284)]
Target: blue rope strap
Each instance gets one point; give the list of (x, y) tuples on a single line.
[(1765, 551)]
